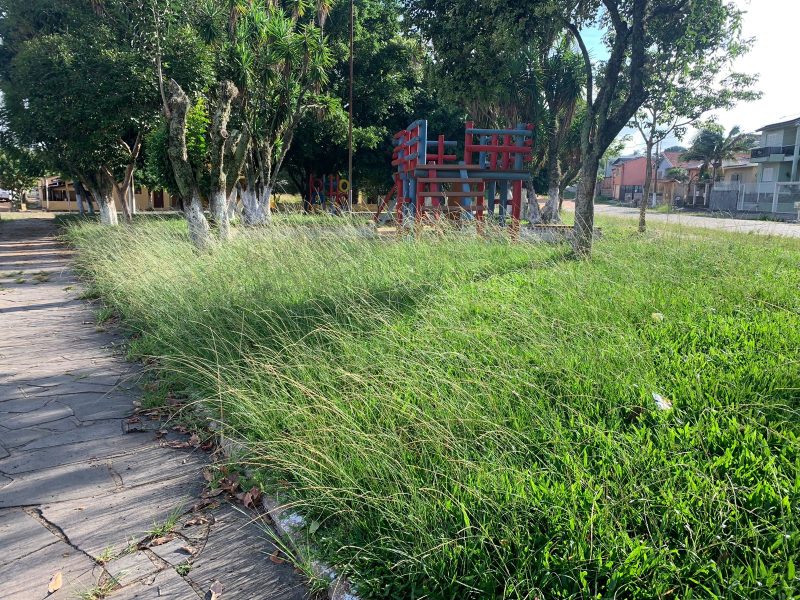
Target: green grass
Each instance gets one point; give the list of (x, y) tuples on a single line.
[(464, 418)]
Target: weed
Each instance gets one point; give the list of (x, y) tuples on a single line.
[(162, 529), (98, 592), (183, 569), (107, 555), (472, 418), (104, 314), (19, 280)]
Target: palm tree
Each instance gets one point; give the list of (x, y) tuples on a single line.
[(711, 146)]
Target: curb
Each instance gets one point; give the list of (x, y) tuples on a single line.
[(289, 526)]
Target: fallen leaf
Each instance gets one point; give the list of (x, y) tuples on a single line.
[(212, 493), (657, 317), (188, 549), (312, 529), (196, 521), (230, 484), (214, 592), (133, 420), (205, 503), (207, 475), (275, 557), (162, 540), (176, 444), (180, 429), (55, 583), (194, 440)]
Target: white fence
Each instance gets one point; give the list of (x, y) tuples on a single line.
[(769, 197), (775, 198)]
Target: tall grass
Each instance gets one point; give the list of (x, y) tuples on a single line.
[(475, 419)]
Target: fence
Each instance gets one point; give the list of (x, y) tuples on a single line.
[(766, 198)]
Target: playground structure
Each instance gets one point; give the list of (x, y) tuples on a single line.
[(430, 181), (330, 193)]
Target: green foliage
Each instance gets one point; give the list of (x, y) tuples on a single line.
[(19, 169), (468, 418), (712, 146), (72, 86), (678, 174), (388, 90)]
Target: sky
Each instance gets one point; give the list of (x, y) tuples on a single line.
[(774, 26)]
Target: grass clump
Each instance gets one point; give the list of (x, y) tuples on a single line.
[(475, 419)]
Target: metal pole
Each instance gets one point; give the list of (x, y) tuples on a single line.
[(655, 187), (350, 123)]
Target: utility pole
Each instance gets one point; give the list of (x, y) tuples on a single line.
[(350, 123), (657, 161)]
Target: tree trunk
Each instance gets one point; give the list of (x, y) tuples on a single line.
[(648, 178), (199, 231), (108, 210), (78, 196), (264, 203), (219, 211), (251, 209), (583, 230), (122, 196), (233, 202), (550, 213), (100, 186), (534, 214), (178, 105)]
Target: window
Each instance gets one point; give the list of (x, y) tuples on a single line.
[(768, 174), (775, 139)]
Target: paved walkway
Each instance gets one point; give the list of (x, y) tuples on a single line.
[(737, 225), (78, 495)]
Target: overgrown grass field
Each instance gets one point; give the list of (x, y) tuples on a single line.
[(461, 418)]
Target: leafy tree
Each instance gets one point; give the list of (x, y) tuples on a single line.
[(19, 170), (684, 85), (712, 146), (388, 90), (678, 174), (634, 30), (282, 61), (77, 91), (503, 66)]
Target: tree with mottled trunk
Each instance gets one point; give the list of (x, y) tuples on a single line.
[(199, 231), (101, 185), (220, 151), (534, 213), (273, 106)]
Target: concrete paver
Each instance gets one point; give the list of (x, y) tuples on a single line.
[(80, 490)]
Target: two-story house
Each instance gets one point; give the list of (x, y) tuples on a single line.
[(777, 185), (779, 152)]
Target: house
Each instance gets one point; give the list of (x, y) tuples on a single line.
[(58, 195), (769, 182), (739, 169), (625, 179), (778, 154)]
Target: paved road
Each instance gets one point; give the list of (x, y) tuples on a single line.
[(738, 225), (77, 493)]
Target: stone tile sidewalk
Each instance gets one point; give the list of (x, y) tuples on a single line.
[(77, 494)]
